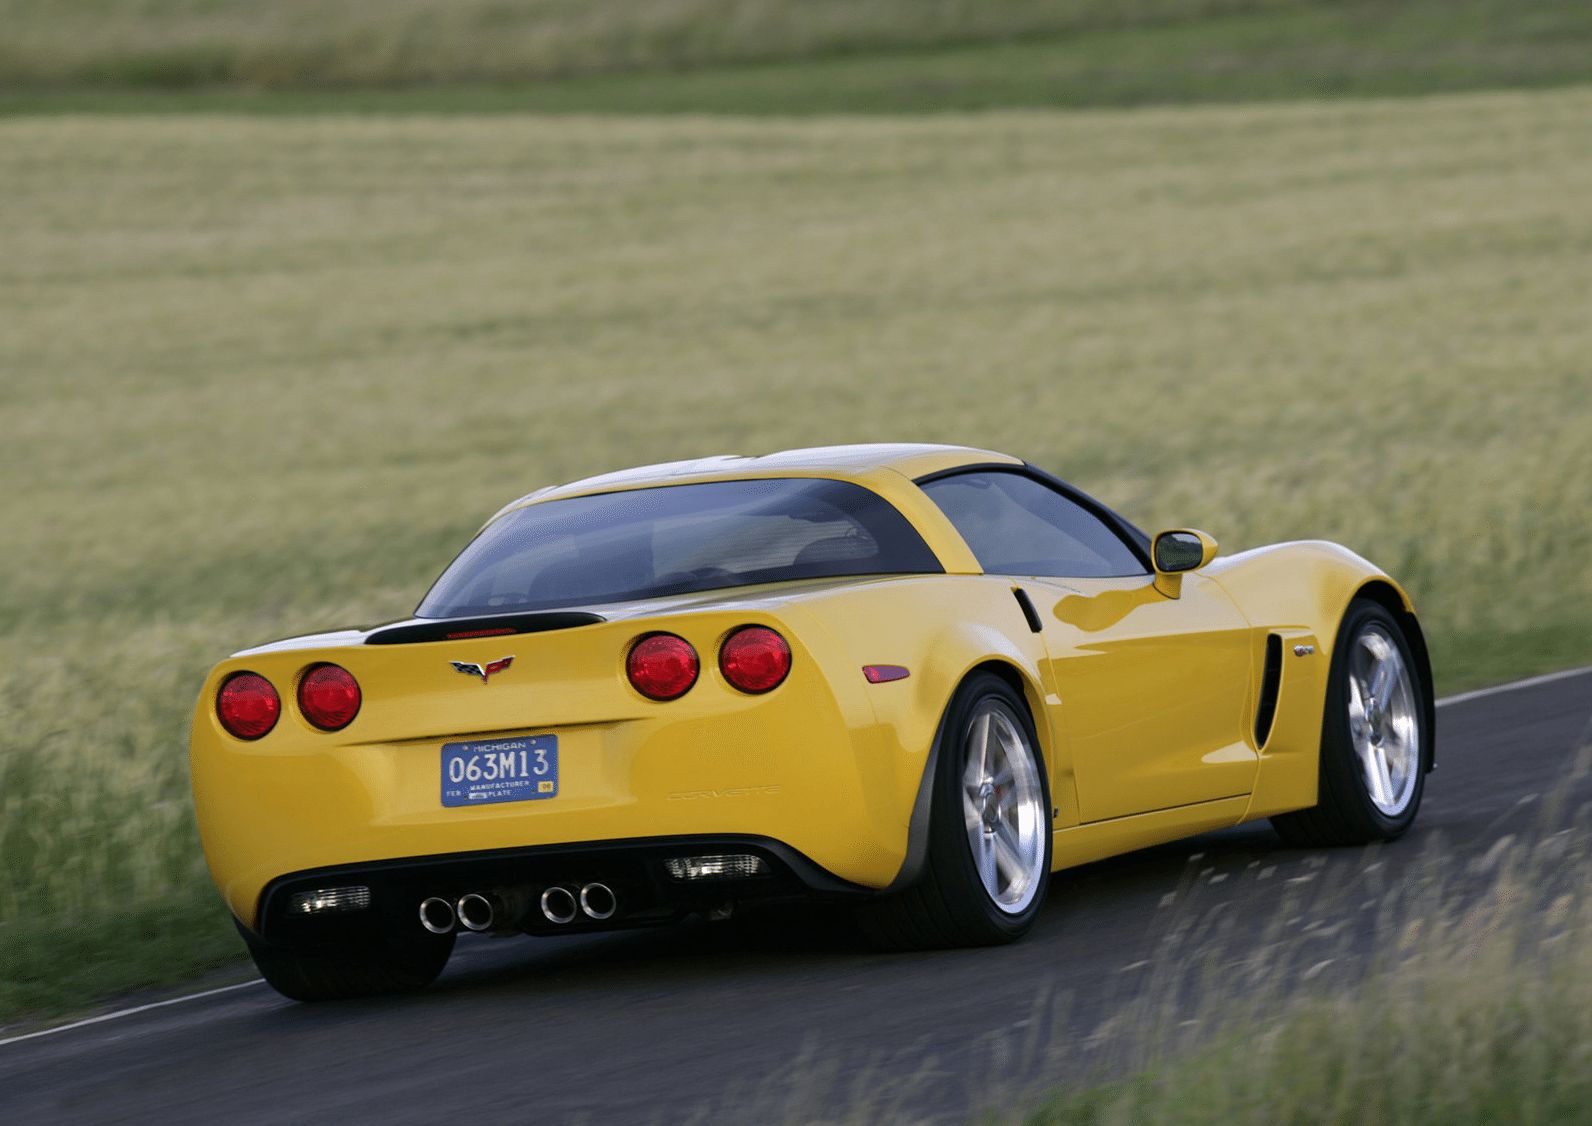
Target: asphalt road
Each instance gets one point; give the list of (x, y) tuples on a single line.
[(661, 1026)]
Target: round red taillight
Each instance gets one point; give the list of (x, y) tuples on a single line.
[(754, 659), (329, 697), (662, 666), (247, 705)]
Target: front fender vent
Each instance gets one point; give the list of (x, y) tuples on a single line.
[(1270, 681)]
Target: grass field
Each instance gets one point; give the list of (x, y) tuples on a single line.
[(262, 375), (1477, 1010), (765, 56), (296, 43)]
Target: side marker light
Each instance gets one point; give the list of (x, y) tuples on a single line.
[(881, 674)]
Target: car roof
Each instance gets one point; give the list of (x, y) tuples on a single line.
[(910, 459)]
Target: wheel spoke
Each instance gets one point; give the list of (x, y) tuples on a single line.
[(980, 740), (1357, 696), (988, 865), (1006, 741), (1386, 677), (1008, 856), (1376, 776), (1386, 775), (1397, 761), (972, 815)]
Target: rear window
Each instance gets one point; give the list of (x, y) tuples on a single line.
[(645, 543)]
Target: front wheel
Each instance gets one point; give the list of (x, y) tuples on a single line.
[(1375, 741), (989, 831)]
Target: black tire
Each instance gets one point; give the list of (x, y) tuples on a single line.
[(950, 904), (350, 969), (1348, 810)]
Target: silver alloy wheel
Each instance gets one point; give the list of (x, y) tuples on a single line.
[(1003, 806), (1382, 720)]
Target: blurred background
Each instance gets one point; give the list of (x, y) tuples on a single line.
[(293, 298)]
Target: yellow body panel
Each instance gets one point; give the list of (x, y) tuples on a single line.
[(1084, 844), (1144, 707), (1152, 691)]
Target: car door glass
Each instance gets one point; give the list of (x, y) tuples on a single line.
[(1016, 525)]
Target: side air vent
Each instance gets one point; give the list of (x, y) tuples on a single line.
[(1270, 680), (460, 629), (1030, 615)]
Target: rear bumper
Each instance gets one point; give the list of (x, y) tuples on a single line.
[(645, 892)]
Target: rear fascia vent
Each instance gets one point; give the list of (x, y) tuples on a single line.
[(1270, 680)]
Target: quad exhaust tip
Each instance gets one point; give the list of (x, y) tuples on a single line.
[(482, 911), (558, 905), (598, 901), (476, 911), (437, 915), (594, 900)]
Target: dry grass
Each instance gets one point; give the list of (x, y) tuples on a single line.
[(264, 375), (1471, 1005)]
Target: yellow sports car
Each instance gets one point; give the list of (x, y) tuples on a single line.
[(916, 678)]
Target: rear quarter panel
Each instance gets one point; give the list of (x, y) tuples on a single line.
[(942, 628)]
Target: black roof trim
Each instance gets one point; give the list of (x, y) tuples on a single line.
[(459, 629)]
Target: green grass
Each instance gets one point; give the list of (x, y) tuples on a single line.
[(296, 43), (265, 374), (766, 56), (56, 963)]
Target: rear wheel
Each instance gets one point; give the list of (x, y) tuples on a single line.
[(349, 969), (1375, 742), (989, 832)]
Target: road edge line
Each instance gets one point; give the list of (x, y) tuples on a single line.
[(1529, 682), (129, 1012)]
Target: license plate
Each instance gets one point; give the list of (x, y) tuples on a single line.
[(500, 770)]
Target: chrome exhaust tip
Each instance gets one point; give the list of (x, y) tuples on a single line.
[(598, 901), (476, 911), (558, 905), (437, 915)]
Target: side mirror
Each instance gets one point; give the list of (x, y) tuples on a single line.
[(1176, 551)]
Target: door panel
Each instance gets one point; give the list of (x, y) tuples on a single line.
[(1151, 690)]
